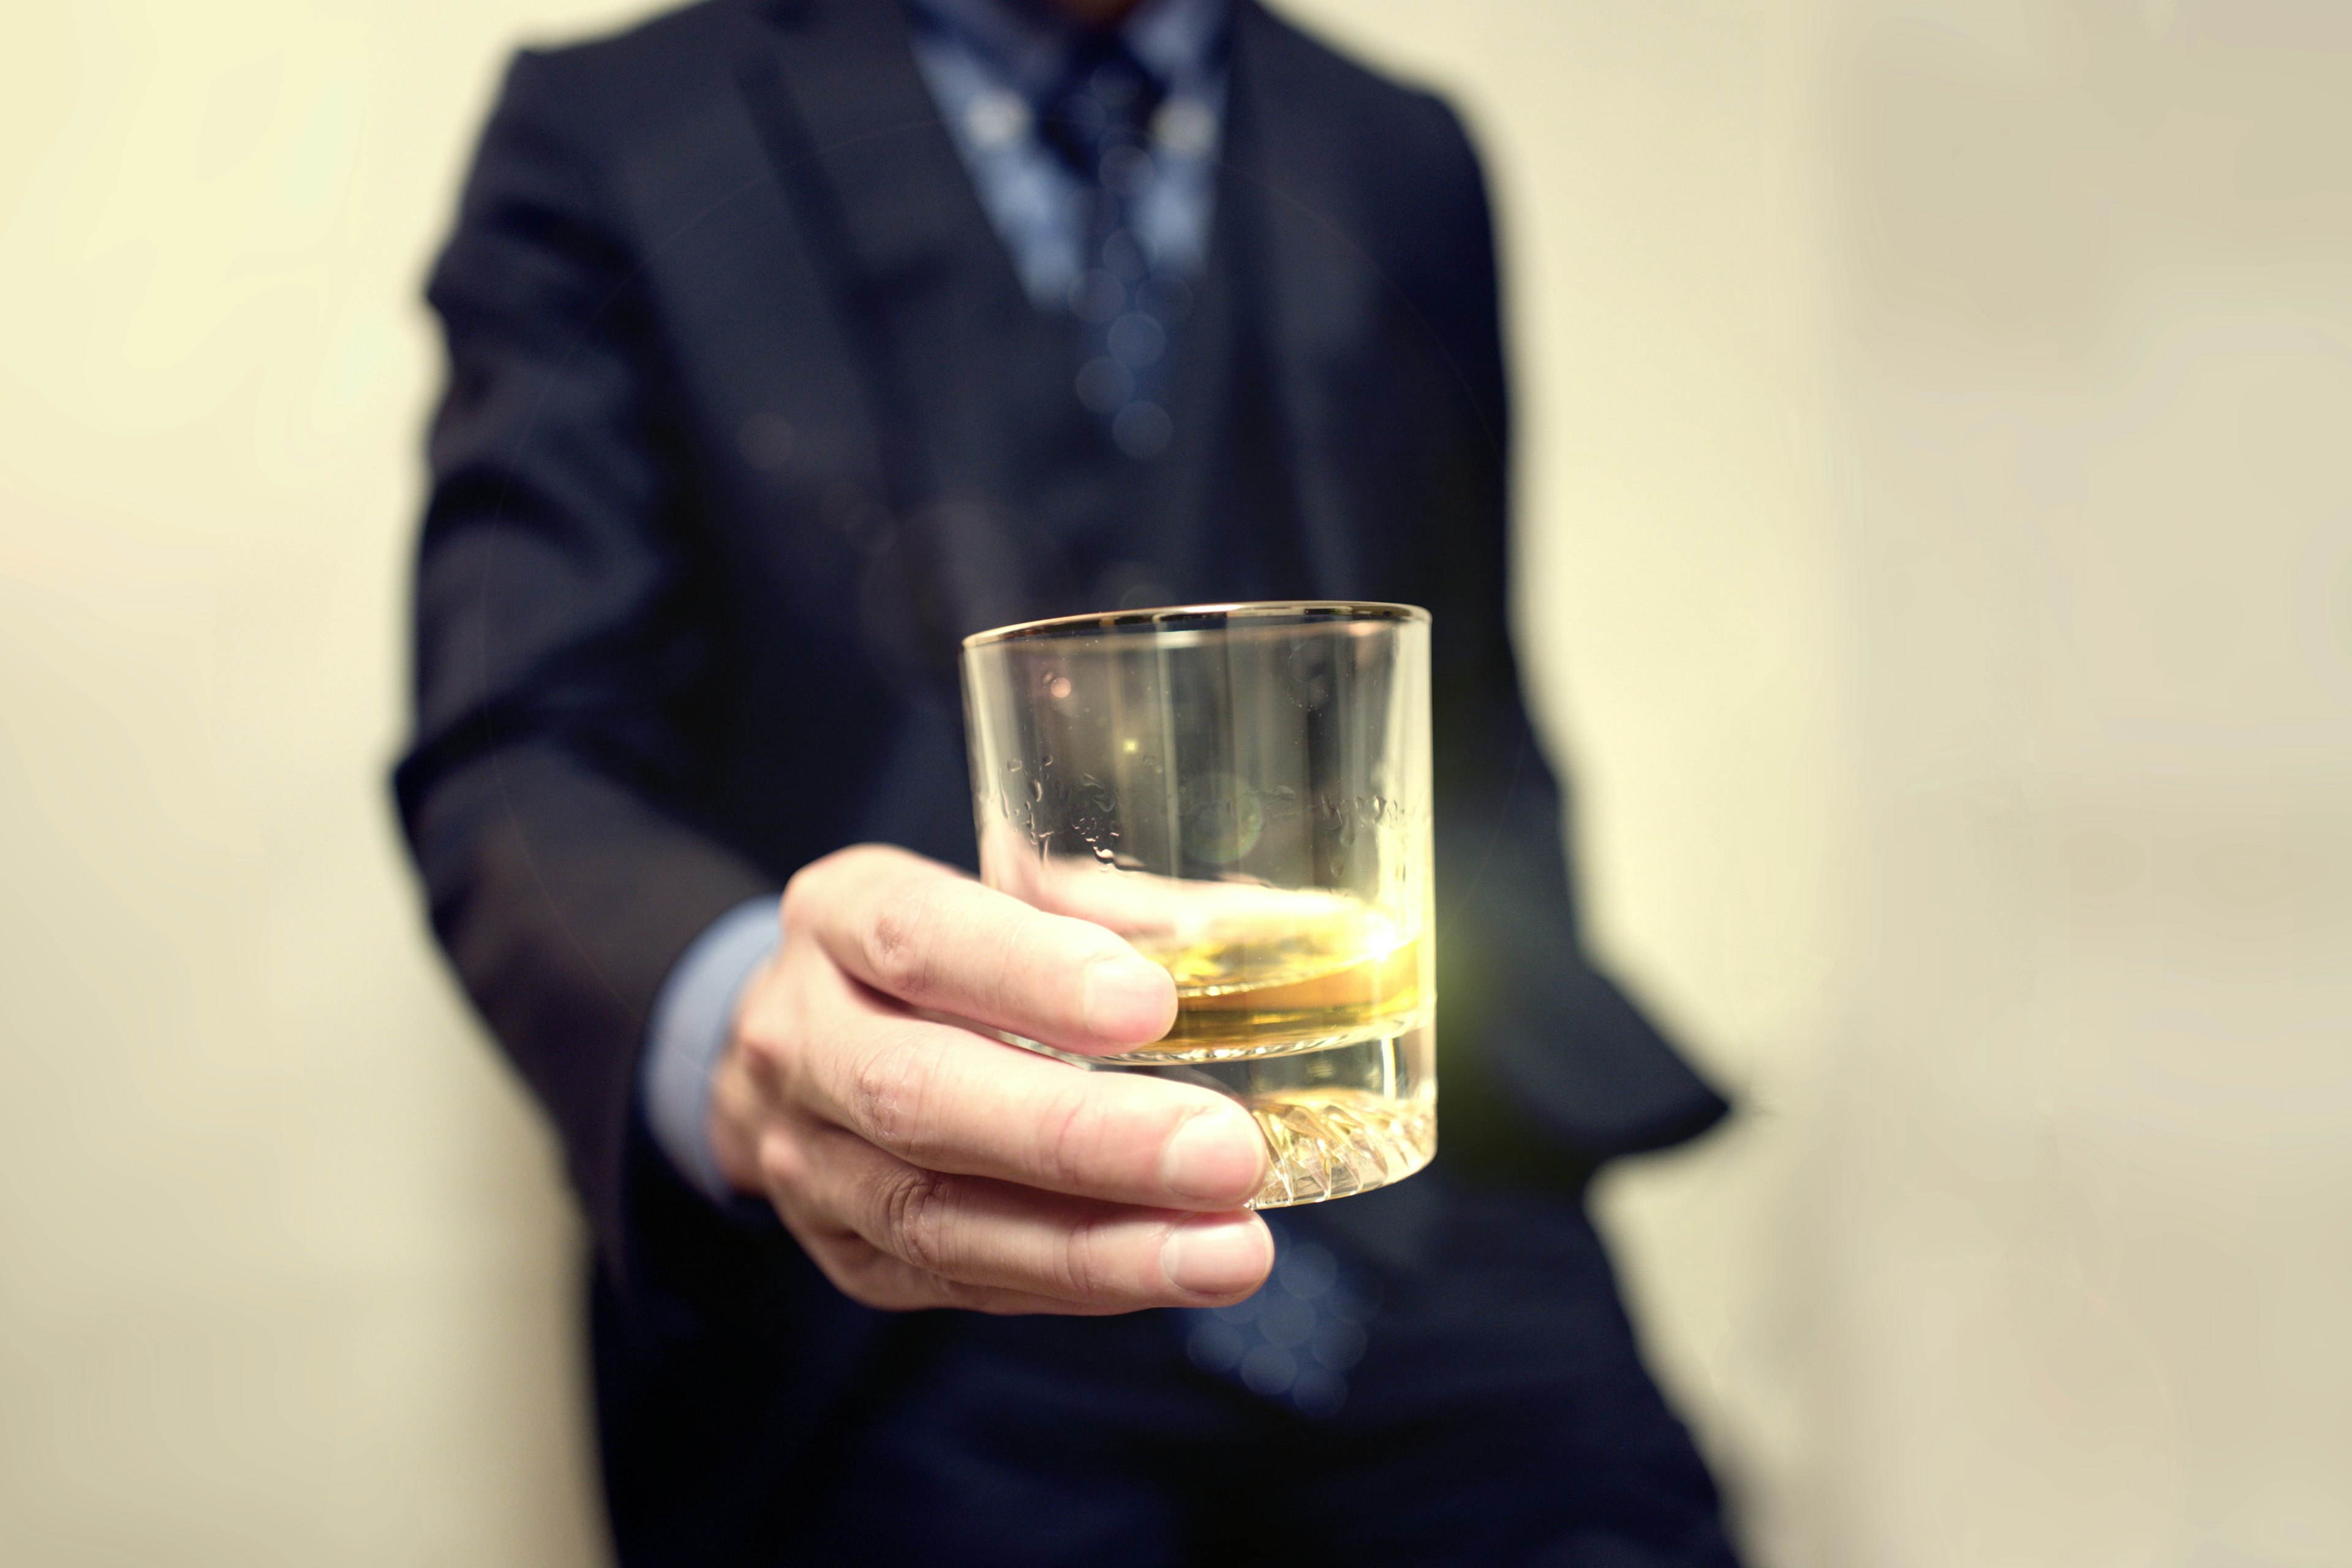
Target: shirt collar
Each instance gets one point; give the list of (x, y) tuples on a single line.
[(1029, 41), (1178, 40)]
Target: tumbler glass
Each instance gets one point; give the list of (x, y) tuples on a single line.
[(1243, 792)]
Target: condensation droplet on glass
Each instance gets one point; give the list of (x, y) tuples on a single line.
[(1036, 790), (1057, 686)]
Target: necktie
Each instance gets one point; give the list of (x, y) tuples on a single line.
[(1296, 1339), (1099, 123)]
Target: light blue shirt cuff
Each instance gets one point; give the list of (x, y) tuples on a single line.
[(693, 1018)]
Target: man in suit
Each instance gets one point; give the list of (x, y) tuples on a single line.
[(791, 341)]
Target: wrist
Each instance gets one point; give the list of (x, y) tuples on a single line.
[(693, 1030)]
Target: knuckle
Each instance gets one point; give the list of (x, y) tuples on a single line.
[(764, 1023), (784, 1166), (773, 1028), (900, 943), (801, 888), (1084, 1264), (759, 1043), (888, 1086), (860, 1273), (1068, 1132), (916, 1216)]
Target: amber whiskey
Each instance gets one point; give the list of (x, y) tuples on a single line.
[(1319, 1023)]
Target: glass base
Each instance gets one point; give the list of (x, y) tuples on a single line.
[(1337, 1119)]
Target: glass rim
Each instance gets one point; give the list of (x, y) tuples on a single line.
[(1194, 617)]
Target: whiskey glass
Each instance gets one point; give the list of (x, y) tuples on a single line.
[(1243, 792)]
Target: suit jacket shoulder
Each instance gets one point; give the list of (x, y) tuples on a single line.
[(1401, 149)]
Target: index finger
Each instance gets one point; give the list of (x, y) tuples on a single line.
[(948, 1100), (934, 939)]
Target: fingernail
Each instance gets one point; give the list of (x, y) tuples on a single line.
[(1217, 1256), (1216, 1156), (1129, 999)]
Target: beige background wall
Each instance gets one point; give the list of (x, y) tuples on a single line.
[(1937, 567)]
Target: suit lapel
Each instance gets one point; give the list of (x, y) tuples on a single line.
[(920, 281), (856, 137)]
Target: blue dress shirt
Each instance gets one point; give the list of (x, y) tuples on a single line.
[(989, 64)]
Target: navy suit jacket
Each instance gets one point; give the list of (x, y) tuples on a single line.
[(715, 486)]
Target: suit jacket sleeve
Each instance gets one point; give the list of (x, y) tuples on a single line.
[(547, 793), (1560, 1044)]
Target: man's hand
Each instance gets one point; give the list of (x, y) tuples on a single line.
[(922, 1164)]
